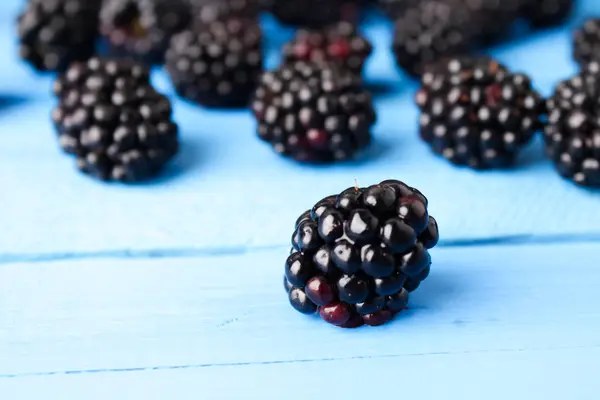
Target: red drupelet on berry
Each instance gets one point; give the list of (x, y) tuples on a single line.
[(356, 256), (338, 44)]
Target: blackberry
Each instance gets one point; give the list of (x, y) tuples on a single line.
[(339, 44), (492, 19), (572, 134), (53, 34), (141, 29), (313, 112), (393, 8), (356, 256), (114, 122), (217, 64), (313, 13), (207, 11), (546, 13), (587, 42), (475, 112), (432, 29)]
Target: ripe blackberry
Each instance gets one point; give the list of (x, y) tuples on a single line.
[(587, 42), (313, 113), (217, 64), (572, 134), (53, 34), (393, 8), (432, 29), (141, 29), (313, 13), (356, 256), (111, 118), (492, 19), (477, 113), (546, 13), (207, 11), (339, 44)]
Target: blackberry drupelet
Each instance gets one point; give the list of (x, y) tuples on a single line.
[(586, 46), (356, 256), (477, 113), (217, 64), (432, 29), (572, 134), (339, 44), (53, 34), (111, 118), (546, 13), (312, 13), (313, 113), (141, 29)]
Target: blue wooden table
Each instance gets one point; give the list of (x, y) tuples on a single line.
[(172, 289)]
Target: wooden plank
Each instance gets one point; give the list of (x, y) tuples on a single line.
[(115, 315)]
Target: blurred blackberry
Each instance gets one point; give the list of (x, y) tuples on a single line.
[(339, 44), (394, 8), (357, 255), (53, 34), (432, 29), (572, 134), (586, 46), (217, 64), (206, 11), (142, 29), (113, 121), (477, 113), (492, 19), (546, 13), (313, 112), (313, 13)]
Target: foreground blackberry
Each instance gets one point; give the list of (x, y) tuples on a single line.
[(587, 42), (53, 34), (313, 113), (432, 29), (217, 64), (141, 29), (475, 112), (546, 13), (340, 44), (313, 13), (572, 134), (356, 256), (113, 121)]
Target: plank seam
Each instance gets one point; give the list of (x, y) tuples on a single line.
[(199, 252), (297, 361)]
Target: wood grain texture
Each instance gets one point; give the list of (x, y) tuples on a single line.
[(219, 318)]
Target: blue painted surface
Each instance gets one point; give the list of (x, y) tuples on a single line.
[(172, 289)]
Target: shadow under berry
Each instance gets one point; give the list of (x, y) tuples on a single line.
[(8, 101), (192, 153)]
